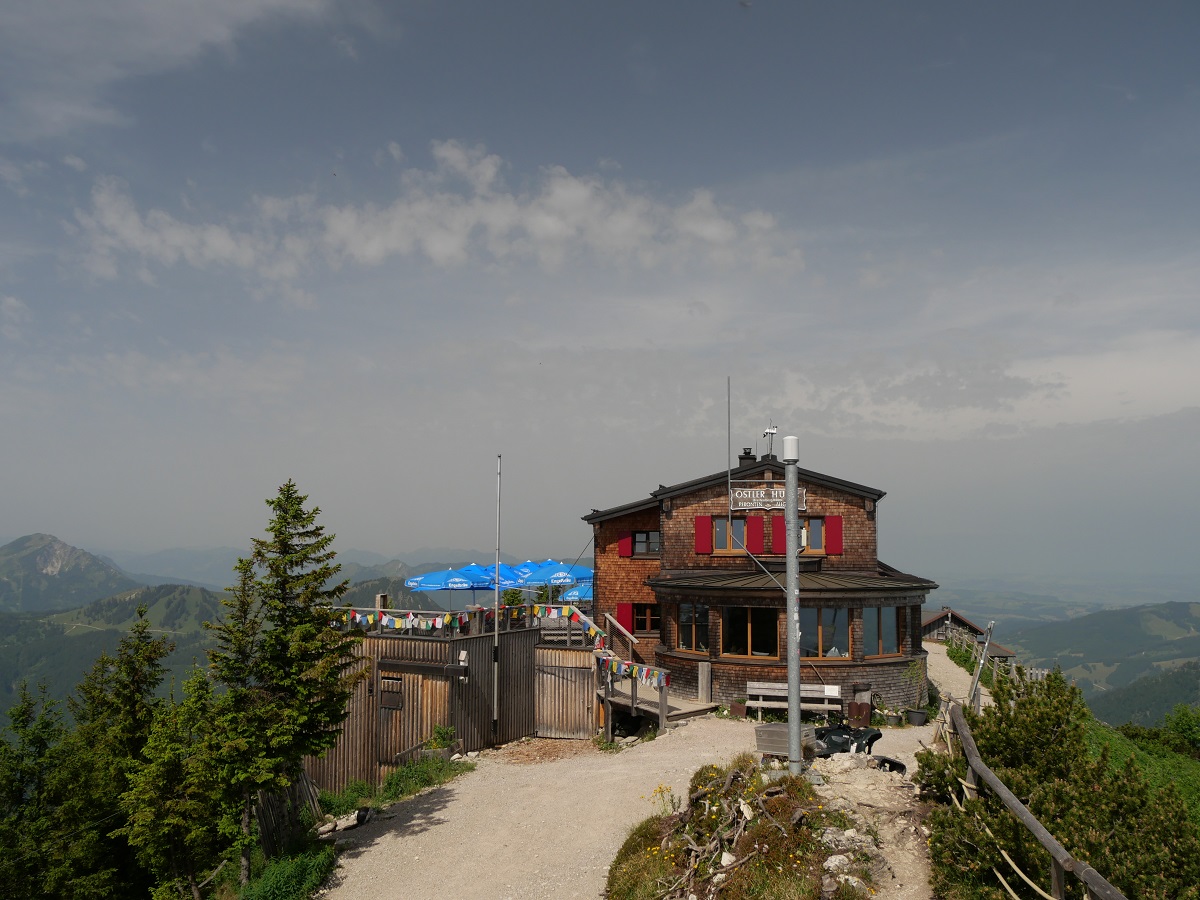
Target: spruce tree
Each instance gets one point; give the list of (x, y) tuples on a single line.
[(246, 754), (30, 752), (287, 674), (308, 666), (114, 710), (173, 803)]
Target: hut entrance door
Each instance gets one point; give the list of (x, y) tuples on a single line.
[(565, 687)]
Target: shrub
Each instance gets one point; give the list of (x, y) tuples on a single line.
[(292, 877), (442, 737), (685, 840), (420, 774), (1103, 812), (350, 798)]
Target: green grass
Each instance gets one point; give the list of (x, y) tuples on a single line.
[(400, 783), (292, 877), (1161, 767)]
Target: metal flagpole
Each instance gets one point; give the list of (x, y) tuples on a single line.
[(496, 620), (791, 456)]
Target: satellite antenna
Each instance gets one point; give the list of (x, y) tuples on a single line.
[(769, 434)]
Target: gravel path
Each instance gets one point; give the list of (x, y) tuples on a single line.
[(542, 820)]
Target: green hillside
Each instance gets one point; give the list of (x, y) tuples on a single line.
[(1113, 648), (42, 652), (59, 649), (363, 594), (39, 573), (170, 607), (1148, 700)]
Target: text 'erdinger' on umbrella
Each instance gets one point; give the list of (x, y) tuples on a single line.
[(558, 574), (581, 593)]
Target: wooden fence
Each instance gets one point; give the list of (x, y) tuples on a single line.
[(451, 675), (964, 640), (1096, 887)]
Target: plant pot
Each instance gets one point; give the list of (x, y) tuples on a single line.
[(916, 716), (893, 719), (737, 709), (435, 753)]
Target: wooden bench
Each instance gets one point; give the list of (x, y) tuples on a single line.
[(824, 698)]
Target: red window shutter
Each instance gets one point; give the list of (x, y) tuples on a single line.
[(625, 616), (778, 534), (704, 543), (625, 543), (754, 534), (833, 535)]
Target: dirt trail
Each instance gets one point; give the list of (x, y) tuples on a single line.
[(543, 819)]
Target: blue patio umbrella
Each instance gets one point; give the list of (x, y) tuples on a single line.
[(480, 577), (558, 574), (578, 594), (446, 580), (508, 578), (529, 566)]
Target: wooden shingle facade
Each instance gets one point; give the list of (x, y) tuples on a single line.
[(696, 571)]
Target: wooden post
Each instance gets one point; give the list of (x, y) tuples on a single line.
[(1058, 880), (972, 779), (662, 708), (608, 717), (633, 696)]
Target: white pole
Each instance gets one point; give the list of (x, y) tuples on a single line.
[(791, 512)]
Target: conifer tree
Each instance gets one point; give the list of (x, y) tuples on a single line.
[(114, 711), (307, 666), (287, 675), (172, 806), (245, 756), (30, 752)]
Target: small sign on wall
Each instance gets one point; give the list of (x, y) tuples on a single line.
[(761, 495)]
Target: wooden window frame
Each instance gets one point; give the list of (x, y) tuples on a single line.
[(679, 628), (730, 549), (749, 654), (896, 613), (847, 653), (653, 618), (643, 537)]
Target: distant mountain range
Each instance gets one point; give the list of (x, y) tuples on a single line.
[(60, 607), (40, 573), (1114, 647)]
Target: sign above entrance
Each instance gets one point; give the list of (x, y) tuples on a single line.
[(760, 495)]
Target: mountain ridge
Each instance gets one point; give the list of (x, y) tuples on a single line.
[(40, 573)]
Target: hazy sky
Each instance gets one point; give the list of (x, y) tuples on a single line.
[(370, 245)]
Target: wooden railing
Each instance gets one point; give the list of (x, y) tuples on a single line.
[(472, 620), (613, 693), (963, 640), (620, 641), (1096, 887)]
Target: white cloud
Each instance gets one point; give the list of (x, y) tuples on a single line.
[(114, 227), (74, 162), (58, 58), (457, 213)]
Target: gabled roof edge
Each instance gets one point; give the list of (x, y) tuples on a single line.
[(742, 472)]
